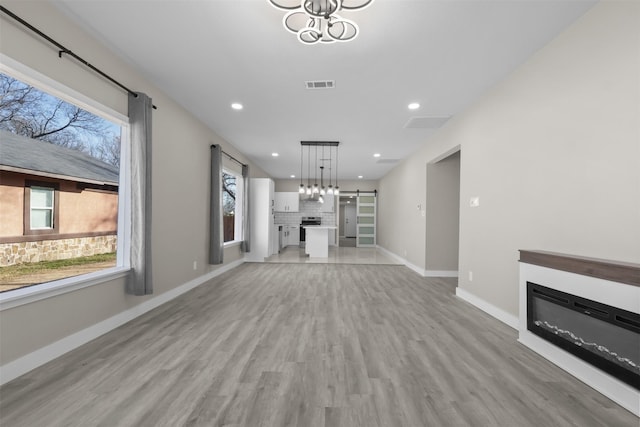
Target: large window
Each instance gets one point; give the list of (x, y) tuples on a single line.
[(232, 206), (60, 215)]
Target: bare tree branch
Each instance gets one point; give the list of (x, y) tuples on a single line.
[(29, 112)]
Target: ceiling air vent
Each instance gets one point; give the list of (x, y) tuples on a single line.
[(426, 122), (320, 84)]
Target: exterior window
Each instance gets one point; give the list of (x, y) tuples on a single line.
[(232, 206), (60, 181), (41, 208)]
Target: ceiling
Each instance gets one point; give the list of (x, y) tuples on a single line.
[(442, 54)]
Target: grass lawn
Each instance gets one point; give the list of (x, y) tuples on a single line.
[(17, 276)]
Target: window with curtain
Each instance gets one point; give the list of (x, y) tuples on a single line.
[(60, 180), (232, 206)]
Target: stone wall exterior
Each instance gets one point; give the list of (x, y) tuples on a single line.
[(52, 250)]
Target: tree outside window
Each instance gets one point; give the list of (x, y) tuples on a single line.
[(229, 192)]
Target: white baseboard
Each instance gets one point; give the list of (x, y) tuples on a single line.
[(46, 354), (401, 260), (420, 271), (492, 310), (441, 273)]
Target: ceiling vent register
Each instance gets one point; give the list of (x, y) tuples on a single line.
[(320, 84)]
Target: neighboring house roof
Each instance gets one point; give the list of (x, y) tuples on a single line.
[(26, 155)]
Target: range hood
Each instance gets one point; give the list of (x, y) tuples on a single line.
[(310, 198)]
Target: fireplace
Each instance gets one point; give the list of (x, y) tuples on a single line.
[(606, 337)]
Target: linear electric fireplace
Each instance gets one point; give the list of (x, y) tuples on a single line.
[(605, 336), (583, 315)]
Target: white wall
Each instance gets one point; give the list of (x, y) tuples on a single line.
[(180, 182), (553, 153)]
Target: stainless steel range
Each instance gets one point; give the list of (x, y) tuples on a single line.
[(308, 220)]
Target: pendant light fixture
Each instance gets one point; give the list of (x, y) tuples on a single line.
[(315, 191), (336, 190), (330, 188), (322, 189), (301, 190), (308, 172), (315, 174)]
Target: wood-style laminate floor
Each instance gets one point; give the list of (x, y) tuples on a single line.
[(308, 345)]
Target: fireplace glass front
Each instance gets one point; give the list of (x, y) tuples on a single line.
[(607, 337)]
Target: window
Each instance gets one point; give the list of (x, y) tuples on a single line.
[(41, 208), (61, 177), (232, 206)]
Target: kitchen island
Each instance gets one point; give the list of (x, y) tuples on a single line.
[(317, 240)]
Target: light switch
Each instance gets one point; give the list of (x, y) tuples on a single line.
[(474, 202)]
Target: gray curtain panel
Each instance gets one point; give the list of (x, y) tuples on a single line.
[(216, 248), (246, 242), (140, 282)]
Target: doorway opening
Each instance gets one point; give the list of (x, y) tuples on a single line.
[(442, 213), (357, 219)]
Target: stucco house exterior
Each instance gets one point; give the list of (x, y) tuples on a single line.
[(55, 202)]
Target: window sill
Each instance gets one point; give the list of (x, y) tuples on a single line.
[(232, 243), (34, 293)]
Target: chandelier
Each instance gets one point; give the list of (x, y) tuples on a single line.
[(322, 164), (316, 21)]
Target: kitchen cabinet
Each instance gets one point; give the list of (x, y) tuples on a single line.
[(263, 236), (291, 235), (287, 202), (329, 204), (317, 240)]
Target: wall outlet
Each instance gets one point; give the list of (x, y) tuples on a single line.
[(471, 276), (195, 265), (474, 202)]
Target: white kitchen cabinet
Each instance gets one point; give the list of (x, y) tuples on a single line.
[(287, 202), (262, 220), (329, 204), (292, 235)]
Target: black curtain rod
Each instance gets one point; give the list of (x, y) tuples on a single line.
[(63, 50), (231, 157)]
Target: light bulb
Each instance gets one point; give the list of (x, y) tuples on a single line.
[(301, 189), (322, 191), (315, 189), (320, 199), (308, 190), (336, 190), (330, 190)]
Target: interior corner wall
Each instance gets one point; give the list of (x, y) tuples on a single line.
[(553, 154), (180, 182)]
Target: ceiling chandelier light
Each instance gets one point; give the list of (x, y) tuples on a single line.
[(316, 191), (316, 21)]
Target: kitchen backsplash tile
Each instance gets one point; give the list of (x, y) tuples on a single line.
[(306, 209)]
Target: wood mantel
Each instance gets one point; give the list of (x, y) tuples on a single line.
[(616, 271)]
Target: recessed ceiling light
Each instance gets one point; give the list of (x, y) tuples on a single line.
[(413, 106), (275, 154), (236, 106), (292, 176), (376, 155), (359, 176)]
